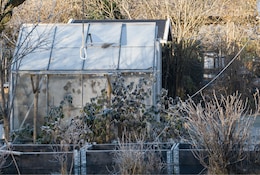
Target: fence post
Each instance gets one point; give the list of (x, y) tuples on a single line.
[(76, 162), (176, 159), (169, 155)]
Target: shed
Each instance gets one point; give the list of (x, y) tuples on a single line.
[(55, 60)]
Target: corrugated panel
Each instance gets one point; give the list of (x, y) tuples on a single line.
[(57, 46)]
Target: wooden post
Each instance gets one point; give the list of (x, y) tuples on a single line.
[(109, 90), (35, 88), (109, 93)]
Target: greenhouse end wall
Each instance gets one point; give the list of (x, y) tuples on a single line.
[(54, 88)]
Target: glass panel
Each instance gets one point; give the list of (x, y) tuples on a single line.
[(37, 60), (34, 46), (66, 59), (68, 36), (138, 34), (106, 33), (136, 58), (137, 50), (99, 58)]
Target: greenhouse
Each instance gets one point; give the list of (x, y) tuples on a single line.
[(79, 59)]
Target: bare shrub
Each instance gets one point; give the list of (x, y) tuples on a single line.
[(64, 133), (221, 126), (3, 158), (6, 152), (134, 156), (62, 157)]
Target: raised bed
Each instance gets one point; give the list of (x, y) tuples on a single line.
[(35, 159), (187, 163), (100, 158)]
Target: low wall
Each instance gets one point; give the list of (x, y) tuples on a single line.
[(187, 163), (35, 159), (100, 158)]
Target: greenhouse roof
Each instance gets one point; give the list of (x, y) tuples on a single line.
[(163, 26), (87, 46)]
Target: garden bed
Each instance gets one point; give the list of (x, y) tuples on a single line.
[(35, 159), (100, 158)]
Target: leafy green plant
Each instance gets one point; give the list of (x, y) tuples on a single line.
[(71, 131), (104, 121), (129, 113), (23, 135)]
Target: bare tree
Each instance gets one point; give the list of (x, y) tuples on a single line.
[(47, 11), (6, 11), (31, 12), (54, 11), (221, 126)]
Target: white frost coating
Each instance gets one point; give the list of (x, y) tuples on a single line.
[(57, 47)]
